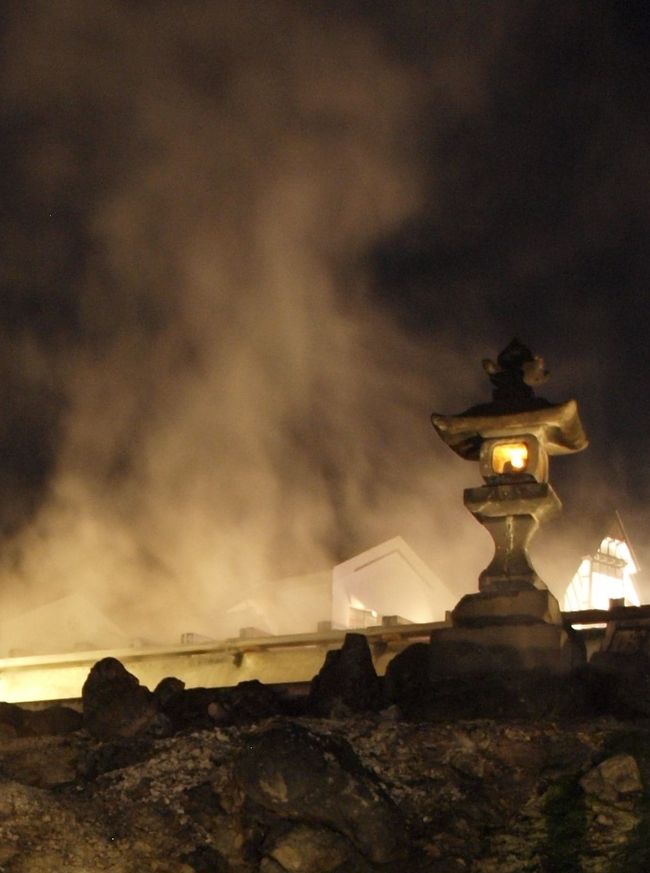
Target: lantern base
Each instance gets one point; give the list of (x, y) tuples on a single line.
[(527, 606), (509, 648), (502, 632)]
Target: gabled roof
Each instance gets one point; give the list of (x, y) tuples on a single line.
[(562, 543), (586, 531), (395, 545), (616, 531)]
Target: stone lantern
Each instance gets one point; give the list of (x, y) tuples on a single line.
[(512, 438)]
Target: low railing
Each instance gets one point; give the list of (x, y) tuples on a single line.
[(286, 659), (602, 616)]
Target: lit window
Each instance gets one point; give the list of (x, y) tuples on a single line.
[(509, 458)]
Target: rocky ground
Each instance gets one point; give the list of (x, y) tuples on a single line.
[(215, 781), (319, 795)]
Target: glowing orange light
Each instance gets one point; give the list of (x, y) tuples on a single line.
[(509, 458)]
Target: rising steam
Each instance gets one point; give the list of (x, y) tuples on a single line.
[(230, 408)]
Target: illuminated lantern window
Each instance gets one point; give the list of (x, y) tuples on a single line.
[(509, 458), (520, 455)]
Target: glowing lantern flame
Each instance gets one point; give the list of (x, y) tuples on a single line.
[(509, 458)]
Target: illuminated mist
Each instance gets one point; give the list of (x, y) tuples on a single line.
[(206, 394), (229, 406)]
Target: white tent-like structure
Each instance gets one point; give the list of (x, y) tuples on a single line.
[(387, 580), (607, 575)]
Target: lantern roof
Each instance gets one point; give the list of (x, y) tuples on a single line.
[(558, 429), (514, 409)]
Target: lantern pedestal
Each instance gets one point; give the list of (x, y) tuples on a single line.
[(511, 512), (505, 632), (504, 648)]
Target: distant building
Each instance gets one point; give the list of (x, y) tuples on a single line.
[(287, 606), (386, 581), (605, 576), (69, 623)]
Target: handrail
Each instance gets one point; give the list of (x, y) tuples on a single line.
[(600, 616), (232, 646)]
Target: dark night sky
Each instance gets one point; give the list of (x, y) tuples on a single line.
[(538, 224), (250, 246)]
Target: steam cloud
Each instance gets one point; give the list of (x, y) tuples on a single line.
[(230, 406), (204, 391)]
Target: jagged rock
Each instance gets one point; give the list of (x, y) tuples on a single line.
[(189, 709), (620, 683), (301, 777), (268, 865), (114, 755), (16, 721), (186, 709), (406, 683), (53, 720), (311, 849), (7, 731), (47, 762), (168, 690), (245, 703), (196, 708), (479, 795), (13, 716), (613, 779), (204, 859), (115, 704), (347, 681)]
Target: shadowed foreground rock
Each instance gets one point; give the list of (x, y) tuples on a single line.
[(620, 683), (544, 785), (347, 682), (197, 708), (114, 702), (300, 776), (360, 795), (18, 722), (310, 847)]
